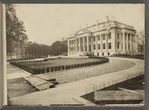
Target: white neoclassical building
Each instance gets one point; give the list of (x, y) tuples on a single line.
[(104, 39)]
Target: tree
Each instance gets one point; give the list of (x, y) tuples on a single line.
[(57, 48), (37, 50), (140, 40), (15, 31)]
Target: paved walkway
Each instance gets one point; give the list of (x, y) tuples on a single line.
[(15, 72), (69, 93)]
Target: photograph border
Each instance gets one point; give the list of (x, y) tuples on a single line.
[(95, 1)]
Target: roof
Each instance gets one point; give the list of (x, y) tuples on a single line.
[(88, 29)]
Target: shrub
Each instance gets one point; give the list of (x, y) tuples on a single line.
[(71, 66), (43, 70), (59, 68), (38, 71), (78, 65), (56, 68), (62, 67), (47, 70), (74, 66), (67, 66), (52, 69)]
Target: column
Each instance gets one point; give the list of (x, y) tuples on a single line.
[(116, 41), (79, 45), (96, 40), (91, 43), (83, 45), (127, 41), (123, 42), (131, 42), (87, 43), (68, 47), (113, 41), (106, 35), (101, 44), (76, 45), (120, 36)]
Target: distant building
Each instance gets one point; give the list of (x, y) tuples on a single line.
[(104, 39)]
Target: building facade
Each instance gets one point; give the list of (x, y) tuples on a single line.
[(104, 39)]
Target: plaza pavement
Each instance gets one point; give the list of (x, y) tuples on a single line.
[(15, 72), (70, 93)]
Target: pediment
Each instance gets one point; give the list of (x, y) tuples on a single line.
[(81, 32)]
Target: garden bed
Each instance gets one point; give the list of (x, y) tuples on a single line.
[(39, 67)]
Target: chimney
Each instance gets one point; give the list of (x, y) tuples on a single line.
[(107, 18)]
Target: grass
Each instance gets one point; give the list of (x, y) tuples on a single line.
[(58, 62)]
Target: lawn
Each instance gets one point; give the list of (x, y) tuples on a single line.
[(58, 62)]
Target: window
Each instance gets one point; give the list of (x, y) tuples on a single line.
[(98, 46), (89, 47), (128, 36), (125, 45), (125, 36), (94, 38), (102, 54), (85, 39), (121, 36), (81, 40), (117, 45), (117, 35), (99, 37), (103, 36), (109, 45), (89, 39), (122, 45), (104, 46), (109, 37), (129, 46), (94, 47), (97, 54), (86, 48)]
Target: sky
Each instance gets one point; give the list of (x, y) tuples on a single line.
[(47, 23)]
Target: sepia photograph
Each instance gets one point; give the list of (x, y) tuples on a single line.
[(75, 55)]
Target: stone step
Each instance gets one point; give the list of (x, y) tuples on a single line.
[(39, 83), (45, 77)]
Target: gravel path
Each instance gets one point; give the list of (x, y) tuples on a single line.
[(92, 71)]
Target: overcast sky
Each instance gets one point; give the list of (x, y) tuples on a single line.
[(46, 23)]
